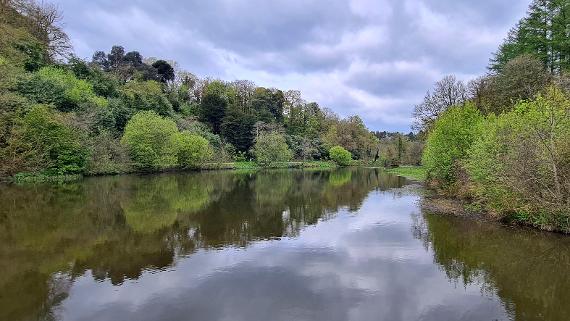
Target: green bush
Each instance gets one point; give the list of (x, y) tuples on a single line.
[(271, 148), (521, 162), (59, 87), (150, 140), (448, 142), (146, 95), (191, 150), (46, 144), (340, 155)]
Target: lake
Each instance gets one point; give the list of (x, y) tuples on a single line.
[(348, 244)]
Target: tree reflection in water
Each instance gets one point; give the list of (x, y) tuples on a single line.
[(118, 227)]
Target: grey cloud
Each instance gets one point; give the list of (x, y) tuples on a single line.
[(276, 41)]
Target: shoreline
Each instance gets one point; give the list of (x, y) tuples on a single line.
[(450, 206)]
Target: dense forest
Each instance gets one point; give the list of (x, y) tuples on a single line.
[(502, 141), (123, 112)]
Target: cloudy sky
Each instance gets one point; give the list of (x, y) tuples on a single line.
[(375, 58)]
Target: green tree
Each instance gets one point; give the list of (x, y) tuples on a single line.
[(543, 33), (520, 79), (59, 87), (213, 111), (150, 140), (340, 155), (44, 143), (191, 150), (237, 128), (452, 135), (271, 148), (528, 144), (146, 95), (164, 70)]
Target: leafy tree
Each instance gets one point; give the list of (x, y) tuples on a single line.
[(268, 104), (146, 95), (237, 128), (43, 142), (191, 150), (165, 71), (150, 140), (352, 134), (340, 155), (452, 135), (59, 87), (520, 79), (115, 57), (271, 148), (542, 33), (213, 108), (528, 144)]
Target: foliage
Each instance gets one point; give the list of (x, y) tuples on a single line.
[(191, 150), (106, 155), (397, 149), (271, 148), (97, 100), (150, 140), (237, 127), (146, 95), (520, 79), (41, 140), (542, 33), (351, 134), (59, 87), (213, 106), (164, 70), (452, 135), (340, 155), (521, 162)]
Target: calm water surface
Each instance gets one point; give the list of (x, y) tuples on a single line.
[(280, 245)]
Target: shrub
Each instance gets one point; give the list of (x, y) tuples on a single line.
[(448, 142), (45, 143), (521, 162), (107, 155), (150, 140), (340, 155), (271, 148), (59, 87), (146, 95), (191, 150)]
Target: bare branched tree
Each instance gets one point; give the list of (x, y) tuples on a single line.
[(45, 23), (447, 92)]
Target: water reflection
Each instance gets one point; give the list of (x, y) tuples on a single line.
[(528, 269), (118, 227), (278, 245)]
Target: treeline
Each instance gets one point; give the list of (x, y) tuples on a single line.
[(121, 111), (396, 149), (502, 141)]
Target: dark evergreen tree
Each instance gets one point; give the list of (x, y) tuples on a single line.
[(237, 129), (213, 110)]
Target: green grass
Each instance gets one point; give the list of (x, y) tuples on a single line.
[(255, 166), (418, 173), (33, 178)]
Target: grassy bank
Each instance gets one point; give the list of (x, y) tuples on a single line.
[(417, 173), (33, 178)]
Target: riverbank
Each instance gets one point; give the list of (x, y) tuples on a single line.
[(26, 178), (471, 209), (417, 173)]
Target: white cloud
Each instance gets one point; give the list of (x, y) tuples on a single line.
[(376, 58)]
